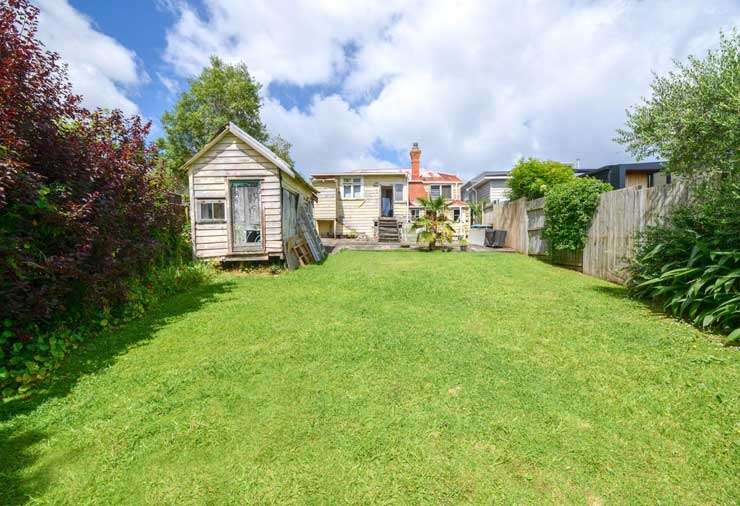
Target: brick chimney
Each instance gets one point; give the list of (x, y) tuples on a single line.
[(415, 162)]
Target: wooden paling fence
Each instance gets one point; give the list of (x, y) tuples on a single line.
[(621, 215)]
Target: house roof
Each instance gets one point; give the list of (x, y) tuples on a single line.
[(427, 176), (485, 176), (252, 143), (434, 176), (360, 172)]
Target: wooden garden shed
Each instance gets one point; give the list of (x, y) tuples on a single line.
[(246, 203)]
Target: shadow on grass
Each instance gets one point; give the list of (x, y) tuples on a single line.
[(621, 293), (17, 455), (616, 291), (16, 445)]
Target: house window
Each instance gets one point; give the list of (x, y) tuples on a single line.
[(414, 214), (351, 187), (436, 190), (456, 214), (398, 192), (211, 211)]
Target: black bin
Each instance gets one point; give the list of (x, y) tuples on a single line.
[(495, 238)]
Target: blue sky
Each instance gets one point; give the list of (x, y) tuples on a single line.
[(140, 26), (352, 84)]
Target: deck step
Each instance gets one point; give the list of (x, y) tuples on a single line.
[(388, 230)]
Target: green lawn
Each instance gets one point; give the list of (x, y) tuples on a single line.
[(387, 377)]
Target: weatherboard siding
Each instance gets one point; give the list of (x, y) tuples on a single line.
[(358, 216), (231, 158), (326, 206), (493, 190)]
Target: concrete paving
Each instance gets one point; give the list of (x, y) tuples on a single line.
[(335, 245)]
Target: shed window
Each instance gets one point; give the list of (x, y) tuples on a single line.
[(456, 214), (351, 187), (398, 192), (441, 189), (211, 211), (415, 213)]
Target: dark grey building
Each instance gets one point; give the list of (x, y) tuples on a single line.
[(623, 175)]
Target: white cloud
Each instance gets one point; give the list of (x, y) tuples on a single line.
[(100, 68), (170, 84), (332, 135), (300, 42), (476, 83)]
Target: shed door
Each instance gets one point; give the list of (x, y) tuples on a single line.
[(290, 210), (246, 215)]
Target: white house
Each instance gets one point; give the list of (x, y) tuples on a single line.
[(379, 204)]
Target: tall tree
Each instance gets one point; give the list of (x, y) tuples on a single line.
[(532, 177), (220, 94), (692, 119)]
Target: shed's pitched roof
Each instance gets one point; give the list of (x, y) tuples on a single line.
[(252, 143)]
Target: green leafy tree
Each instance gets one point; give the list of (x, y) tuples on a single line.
[(281, 147), (692, 119), (569, 208), (220, 94), (435, 224), (689, 262), (532, 177)]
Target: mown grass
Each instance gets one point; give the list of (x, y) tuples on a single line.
[(387, 377)]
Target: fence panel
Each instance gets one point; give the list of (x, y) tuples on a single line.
[(512, 217), (537, 245), (621, 215)]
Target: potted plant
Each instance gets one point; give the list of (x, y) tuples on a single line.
[(463, 244)]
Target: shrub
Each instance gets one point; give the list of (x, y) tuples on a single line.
[(82, 213), (27, 362), (531, 178), (569, 208), (690, 263)]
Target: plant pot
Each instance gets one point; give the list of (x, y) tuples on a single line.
[(463, 247)]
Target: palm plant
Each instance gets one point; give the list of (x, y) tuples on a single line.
[(434, 224), (476, 210)]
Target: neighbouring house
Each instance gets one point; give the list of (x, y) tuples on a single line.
[(246, 203), (491, 186), (625, 175), (380, 204)]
